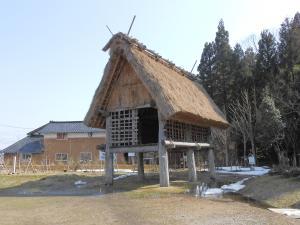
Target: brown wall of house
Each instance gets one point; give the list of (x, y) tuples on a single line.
[(36, 159), (73, 147)]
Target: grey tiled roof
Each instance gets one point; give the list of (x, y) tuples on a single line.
[(65, 127), (26, 145)]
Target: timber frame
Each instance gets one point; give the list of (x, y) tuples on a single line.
[(147, 104)]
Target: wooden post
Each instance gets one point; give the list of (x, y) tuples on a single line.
[(140, 161), (109, 159), (163, 155), (15, 162), (211, 163), (191, 165)]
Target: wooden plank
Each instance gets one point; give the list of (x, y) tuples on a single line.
[(125, 149), (130, 91), (175, 144), (163, 155), (191, 165)]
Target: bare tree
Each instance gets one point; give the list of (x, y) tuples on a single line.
[(290, 108), (243, 120), (250, 42), (219, 138)]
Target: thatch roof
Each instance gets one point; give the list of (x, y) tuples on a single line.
[(175, 91)]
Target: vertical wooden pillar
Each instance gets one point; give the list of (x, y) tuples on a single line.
[(109, 158), (211, 163), (191, 165), (163, 155), (14, 163), (140, 161)]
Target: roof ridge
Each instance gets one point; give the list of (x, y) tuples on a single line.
[(74, 121), (157, 57)]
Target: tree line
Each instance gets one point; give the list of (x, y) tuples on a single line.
[(258, 90)]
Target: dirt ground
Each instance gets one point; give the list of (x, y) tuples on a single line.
[(129, 202)]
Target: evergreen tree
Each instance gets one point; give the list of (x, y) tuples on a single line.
[(206, 68), (266, 63), (223, 58), (270, 124), (238, 72), (289, 95)]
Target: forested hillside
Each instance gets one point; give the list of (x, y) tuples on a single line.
[(258, 90)]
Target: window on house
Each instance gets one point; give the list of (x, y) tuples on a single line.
[(85, 156), (61, 156), (61, 136), (25, 156)]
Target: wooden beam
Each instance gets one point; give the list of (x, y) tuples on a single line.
[(109, 159), (211, 163), (175, 144), (104, 113), (141, 148), (140, 162), (191, 165), (163, 155)]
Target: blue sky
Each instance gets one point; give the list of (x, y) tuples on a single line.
[(50, 51)]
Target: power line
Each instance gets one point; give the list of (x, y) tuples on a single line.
[(15, 127)]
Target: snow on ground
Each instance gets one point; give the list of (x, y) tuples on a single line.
[(212, 191), (102, 170), (294, 213), (124, 176), (257, 170), (234, 187)]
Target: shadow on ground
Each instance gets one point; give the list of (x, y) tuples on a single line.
[(64, 184)]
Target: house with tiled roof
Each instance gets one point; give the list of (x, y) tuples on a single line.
[(57, 143)]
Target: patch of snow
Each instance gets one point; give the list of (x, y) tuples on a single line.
[(102, 170), (294, 213), (256, 171), (235, 186), (213, 191), (124, 170), (124, 176), (80, 182), (90, 170)]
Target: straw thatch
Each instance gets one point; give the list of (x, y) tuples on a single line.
[(176, 93)]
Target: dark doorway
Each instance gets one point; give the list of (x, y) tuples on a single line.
[(147, 126)]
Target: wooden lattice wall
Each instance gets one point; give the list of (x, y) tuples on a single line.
[(124, 128), (178, 131)]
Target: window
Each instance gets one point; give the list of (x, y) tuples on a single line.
[(25, 156), (61, 156), (85, 156), (61, 136)]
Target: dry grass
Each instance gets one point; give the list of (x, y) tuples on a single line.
[(277, 190), (7, 181), (132, 202)]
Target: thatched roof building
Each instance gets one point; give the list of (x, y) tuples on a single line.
[(175, 92), (148, 104)]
